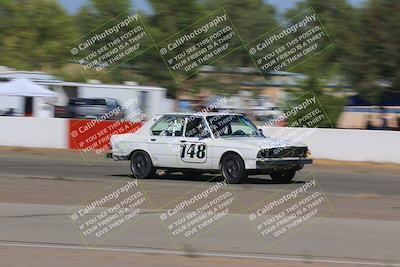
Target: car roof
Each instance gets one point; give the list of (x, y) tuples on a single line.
[(199, 114)]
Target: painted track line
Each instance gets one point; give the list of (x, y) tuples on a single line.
[(204, 254)]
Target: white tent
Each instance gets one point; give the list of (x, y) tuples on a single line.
[(25, 87), (12, 92)]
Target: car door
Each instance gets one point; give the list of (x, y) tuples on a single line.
[(164, 141), (196, 145)]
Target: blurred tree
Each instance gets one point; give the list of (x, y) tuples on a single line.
[(97, 12), (339, 21), (375, 65), (366, 51), (331, 105), (251, 18), (35, 34), (5, 26), (169, 18), (5, 15), (96, 17), (172, 16)]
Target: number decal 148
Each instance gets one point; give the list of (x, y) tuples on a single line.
[(193, 150)]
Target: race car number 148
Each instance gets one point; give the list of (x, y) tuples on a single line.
[(196, 152)]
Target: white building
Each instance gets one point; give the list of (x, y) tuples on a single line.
[(149, 99)]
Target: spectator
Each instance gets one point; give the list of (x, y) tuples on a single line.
[(383, 119), (397, 128), (369, 125)]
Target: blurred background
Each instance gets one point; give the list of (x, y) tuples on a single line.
[(52, 154), (357, 80)]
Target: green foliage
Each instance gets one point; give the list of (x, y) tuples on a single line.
[(376, 58), (97, 12), (34, 34), (251, 18), (339, 21), (329, 105), (333, 106), (172, 16), (169, 17), (366, 48)]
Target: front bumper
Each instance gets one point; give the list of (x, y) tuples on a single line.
[(281, 163)]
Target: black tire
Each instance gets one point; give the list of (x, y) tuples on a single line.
[(283, 176), (233, 168), (141, 165), (192, 174)]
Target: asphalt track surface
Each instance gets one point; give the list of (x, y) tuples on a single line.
[(38, 188)]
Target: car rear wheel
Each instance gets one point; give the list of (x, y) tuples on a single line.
[(283, 176), (141, 165), (233, 168)]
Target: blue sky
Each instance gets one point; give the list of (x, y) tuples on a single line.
[(73, 5)]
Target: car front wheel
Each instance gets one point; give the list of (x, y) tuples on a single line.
[(233, 168), (141, 165), (283, 176)]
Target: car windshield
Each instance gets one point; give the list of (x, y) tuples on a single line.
[(232, 125)]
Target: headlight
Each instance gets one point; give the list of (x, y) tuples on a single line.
[(263, 153), (308, 153)]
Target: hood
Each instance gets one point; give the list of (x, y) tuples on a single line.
[(264, 142)]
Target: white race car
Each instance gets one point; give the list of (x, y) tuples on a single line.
[(197, 143)]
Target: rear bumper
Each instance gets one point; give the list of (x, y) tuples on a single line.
[(263, 164), (111, 155)]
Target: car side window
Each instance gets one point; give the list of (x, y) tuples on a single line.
[(169, 126), (196, 127)]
